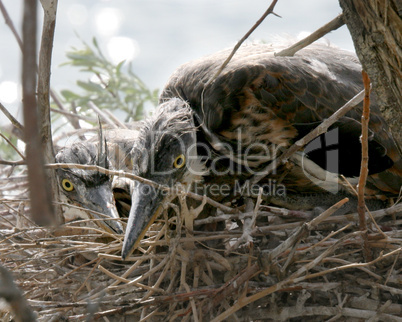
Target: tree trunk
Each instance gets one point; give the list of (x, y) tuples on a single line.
[(376, 30), (41, 201)]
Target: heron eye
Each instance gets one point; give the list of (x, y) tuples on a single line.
[(67, 185), (179, 161)]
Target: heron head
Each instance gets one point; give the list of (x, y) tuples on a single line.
[(165, 153), (89, 189)]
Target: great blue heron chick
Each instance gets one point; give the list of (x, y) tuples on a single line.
[(225, 132), (88, 189)]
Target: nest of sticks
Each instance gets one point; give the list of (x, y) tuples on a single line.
[(257, 263)]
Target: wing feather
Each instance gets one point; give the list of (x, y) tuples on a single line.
[(256, 86)]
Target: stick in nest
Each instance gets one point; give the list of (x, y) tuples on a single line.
[(364, 164)]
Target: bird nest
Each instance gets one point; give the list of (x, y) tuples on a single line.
[(257, 263)]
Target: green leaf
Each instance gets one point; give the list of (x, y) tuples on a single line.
[(69, 95), (90, 86), (119, 66)]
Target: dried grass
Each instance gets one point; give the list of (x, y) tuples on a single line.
[(266, 263)]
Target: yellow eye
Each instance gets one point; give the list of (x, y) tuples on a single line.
[(180, 161), (67, 185)]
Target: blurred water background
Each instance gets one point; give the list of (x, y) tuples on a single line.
[(157, 35)]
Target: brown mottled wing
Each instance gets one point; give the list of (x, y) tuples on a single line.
[(272, 99)]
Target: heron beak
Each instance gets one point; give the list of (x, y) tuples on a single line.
[(145, 208), (101, 200)]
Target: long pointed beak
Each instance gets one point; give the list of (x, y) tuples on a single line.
[(145, 208), (100, 199)]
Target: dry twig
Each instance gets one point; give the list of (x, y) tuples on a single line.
[(13, 146), (364, 163), (269, 11), (12, 119), (102, 114), (328, 27)]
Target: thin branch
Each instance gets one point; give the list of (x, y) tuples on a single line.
[(79, 133), (349, 266), (13, 163), (119, 124), (328, 27), (75, 121), (60, 105), (224, 217), (10, 24), (303, 231), (12, 145), (12, 119), (270, 10), (73, 115), (320, 129), (102, 114), (364, 163), (352, 188)]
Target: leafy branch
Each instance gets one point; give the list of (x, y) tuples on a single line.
[(113, 87)]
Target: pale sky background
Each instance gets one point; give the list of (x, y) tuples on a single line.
[(157, 35)]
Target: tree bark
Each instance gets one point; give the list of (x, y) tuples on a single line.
[(376, 30), (45, 59), (41, 201), (44, 71)]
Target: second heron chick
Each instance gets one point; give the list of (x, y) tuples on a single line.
[(99, 196)]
